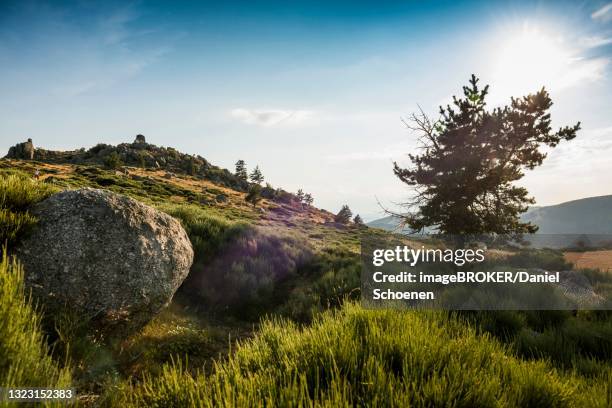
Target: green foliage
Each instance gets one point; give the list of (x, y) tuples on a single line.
[(241, 170), (356, 357), (344, 215), (327, 280), (17, 193), (113, 161), (14, 225), (24, 356), (256, 176), (569, 341), (254, 195), (308, 200), (207, 231), (548, 259), (464, 179), (171, 336), (268, 192)]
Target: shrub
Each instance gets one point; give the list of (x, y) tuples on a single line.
[(254, 195), (344, 215), (548, 259), (268, 192), (247, 274), (14, 225), (17, 193), (207, 231), (356, 357), (327, 280), (24, 356), (113, 161), (236, 266)]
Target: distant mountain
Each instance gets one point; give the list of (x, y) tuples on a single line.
[(389, 223), (591, 215)]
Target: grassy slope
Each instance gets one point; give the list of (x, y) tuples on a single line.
[(372, 358), (570, 363), (24, 355)]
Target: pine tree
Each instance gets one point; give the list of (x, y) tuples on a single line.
[(300, 195), (344, 215), (357, 220), (256, 176), (463, 180), (308, 199), (241, 170)]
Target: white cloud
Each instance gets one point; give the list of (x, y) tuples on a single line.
[(271, 117), (595, 41), (604, 14)]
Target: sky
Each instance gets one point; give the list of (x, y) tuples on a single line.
[(312, 92)]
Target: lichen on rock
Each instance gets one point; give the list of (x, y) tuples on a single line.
[(105, 257)]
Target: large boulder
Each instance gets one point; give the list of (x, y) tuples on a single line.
[(107, 258)]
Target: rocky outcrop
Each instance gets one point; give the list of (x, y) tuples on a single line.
[(24, 151), (105, 257), (137, 154)]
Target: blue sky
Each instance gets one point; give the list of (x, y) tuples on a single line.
[(312, 92)]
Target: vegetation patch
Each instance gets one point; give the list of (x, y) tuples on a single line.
[(356, 357), (24, 355)]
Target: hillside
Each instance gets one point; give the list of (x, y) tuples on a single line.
[(591, 215), (270, 312)]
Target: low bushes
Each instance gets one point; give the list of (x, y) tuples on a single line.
[(17, 193), (24, 356), (356, 357), (237, 267)]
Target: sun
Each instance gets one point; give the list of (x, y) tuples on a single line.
[(527, 58)]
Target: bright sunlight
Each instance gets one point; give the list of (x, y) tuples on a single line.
[(532, 56)]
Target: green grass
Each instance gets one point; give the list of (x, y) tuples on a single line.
[(369, 358), (238, 268), (17, 193), (24, 355), (343, 356)]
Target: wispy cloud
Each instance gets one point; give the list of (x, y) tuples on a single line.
[(604, 14), (114, 26), (113, 47), (271, 117), (595, 41)]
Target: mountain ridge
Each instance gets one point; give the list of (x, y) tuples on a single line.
[(588, 215)]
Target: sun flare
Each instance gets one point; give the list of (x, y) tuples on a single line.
[(527, 58)]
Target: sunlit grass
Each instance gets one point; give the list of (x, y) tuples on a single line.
[(369, 358), (24, 358)]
